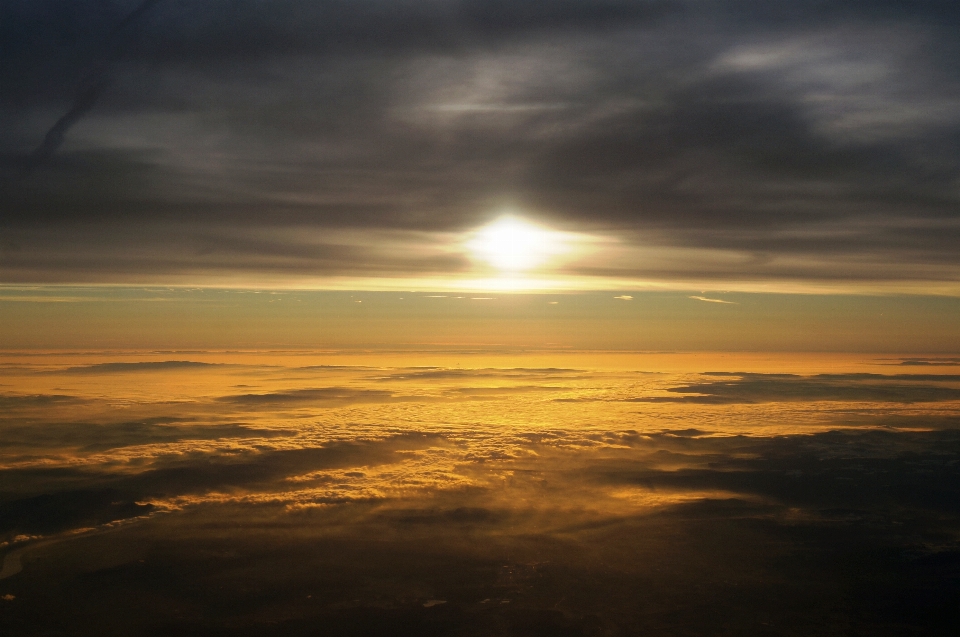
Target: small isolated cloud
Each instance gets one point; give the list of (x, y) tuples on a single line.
[(516, 373), (14, 401), (624, 297), (921, 362), (333, 395), (495, 392), (90, 437), (759, 388), (703, 298), (108, 368)]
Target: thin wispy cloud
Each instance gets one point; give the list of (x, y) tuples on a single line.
[(709, 300)]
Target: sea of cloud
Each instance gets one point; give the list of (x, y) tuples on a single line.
[(211, 451)]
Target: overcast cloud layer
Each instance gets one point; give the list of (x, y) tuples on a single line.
[(741, 140)]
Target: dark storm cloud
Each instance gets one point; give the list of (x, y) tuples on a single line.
[(797, 135)]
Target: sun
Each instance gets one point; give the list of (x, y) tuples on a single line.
[(511, 244)]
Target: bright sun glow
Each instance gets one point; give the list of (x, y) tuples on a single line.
[(514, 245)]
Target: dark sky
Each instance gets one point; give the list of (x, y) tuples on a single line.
[(772, 142)]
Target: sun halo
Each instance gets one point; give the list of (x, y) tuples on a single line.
[(513, 245)]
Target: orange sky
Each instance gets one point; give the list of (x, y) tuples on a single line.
[(119, 317)]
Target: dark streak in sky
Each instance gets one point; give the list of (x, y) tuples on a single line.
[(93, 82)]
